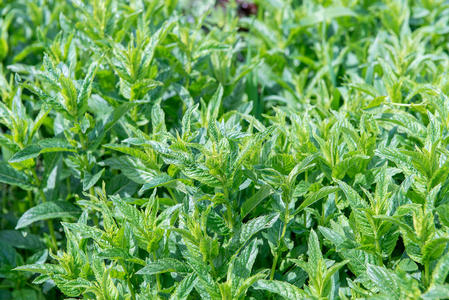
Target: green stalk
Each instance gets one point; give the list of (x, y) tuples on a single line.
[(276, 256), (128, 280), (131, 289), (378, 248), (83, 141), (135, 113), (54, 244), (170, 191), (426, 274), (5, 190), (146, 128), (273, 267), (52, 234), (30, 199), (69, 187), (158, 280), (212, 266), (229, 215), (228, 208), (95, 217)]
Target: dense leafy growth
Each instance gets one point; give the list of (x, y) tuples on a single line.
[(231, 150)]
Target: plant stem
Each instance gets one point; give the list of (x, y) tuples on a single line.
[(128, 282), (36, 178), (170, 191), (54, 244), (158, 280), (276, 256), (52, 234), (94, 216), (69, 187), (83, 141), (229, 216), (426, 274), (5, 191), (51, 229), (273, 267), (211, 262), (131, 289), (30, 199), (378, 247), (128, 279), (135, 113)]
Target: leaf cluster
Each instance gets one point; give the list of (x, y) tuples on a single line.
[(197, 150)]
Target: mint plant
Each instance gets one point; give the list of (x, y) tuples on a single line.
[(224, 149)]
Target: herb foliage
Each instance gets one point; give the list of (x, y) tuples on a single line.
[(198, 150)]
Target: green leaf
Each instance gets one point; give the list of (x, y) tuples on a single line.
[(314, 250), (158, 119), (90, 180), (28, 152), (354, 199), (377, 101), (120, 254), (265, 32), (305, 164), (48, 210), (40, 118), (433, 249), (248, 282), (187, 120), (432, 197), (206, 282), (436, 292), (333, 269), (327, 14), (20, 240), (8, 144), (43, 146), (185, 287), (252, 227), (316, 196), (185, 97), (156, 38), (156, 181), (407, 265), (132, 151), (38, 268), (11, 176), (214, 105), (132, 168), (164, 265), (85, 90), (358, 260), (282, 288), (433, 129), (107, 123), (385, 280), (242, 265), (332, 236), (441, 270), (255, 200), (130, 212), (84, 231)]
